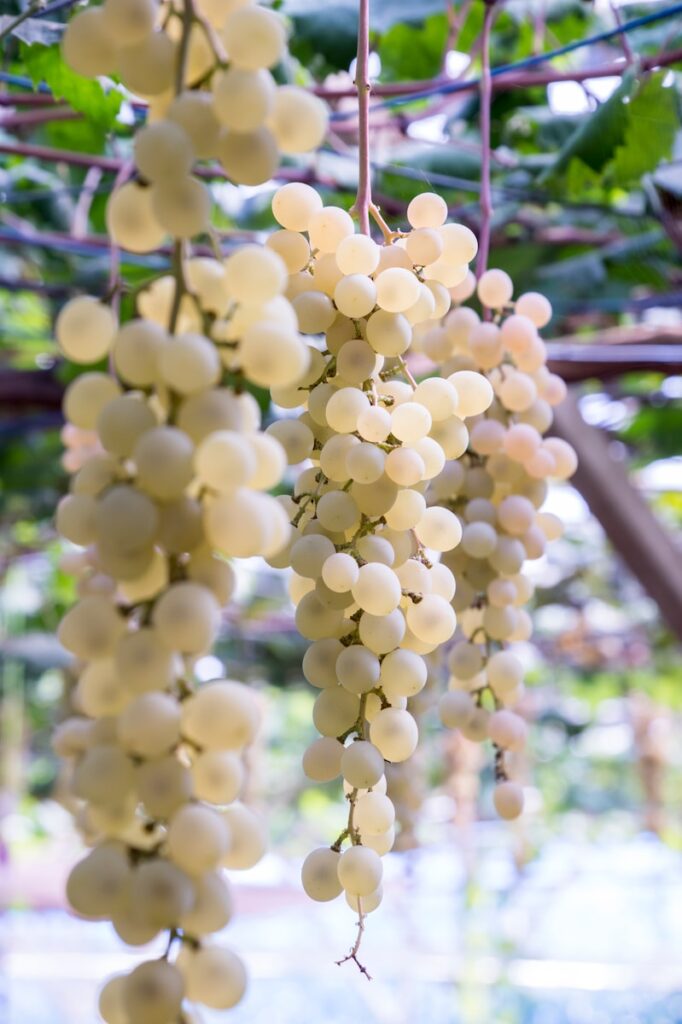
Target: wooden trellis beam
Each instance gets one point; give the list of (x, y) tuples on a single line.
[(636, 534)]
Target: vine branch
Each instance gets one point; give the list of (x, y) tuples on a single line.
[(363, 201), (486, 103)]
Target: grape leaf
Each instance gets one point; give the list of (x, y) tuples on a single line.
[(653, 121), (87, 97), (409, 52)]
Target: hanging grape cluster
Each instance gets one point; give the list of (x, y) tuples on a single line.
[(205, 71), (497, 490), (370, 591)]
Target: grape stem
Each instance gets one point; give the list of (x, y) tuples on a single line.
[(363, 202), (486, 92), (355, 949)]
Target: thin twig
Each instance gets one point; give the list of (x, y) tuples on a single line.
[(355, 948), (363, 201), (485, 101), (32, 9)]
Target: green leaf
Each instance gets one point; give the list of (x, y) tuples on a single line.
[(653, 121), (409, 52), (87, 97), (596, 138)]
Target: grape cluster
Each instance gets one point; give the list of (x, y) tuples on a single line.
[(206, 73), (370, 592), (170, 478), (497, 489)]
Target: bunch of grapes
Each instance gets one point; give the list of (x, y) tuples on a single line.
[(370, 592), (497, 490), (205, 70), (174, 479)]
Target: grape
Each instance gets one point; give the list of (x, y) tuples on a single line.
[(295, 204), (87, 46), (495, 288), (374, 814), (223, 461), (292, 248), (222, 715), (355, 296), (362, 764), (91, 628), (339, 572), (357, 254), (111, 1006), (163, 149), (153, 993), (432, 620), (243, 98), (427, 210), (248, 838), (104, 775), (508, 800), (211, 908), (161, 893), (298, 120), (193, 112), (85, 329), (397, 289), (322, 759), (213, 976), (254, 274), (198, 838), (357, 669), (388, 333), (147, 67), (150, 725), (273, 355), (359, 870), (320, 875), (96, 884), (395, 733), (186, 617), (439, 529), (534, 306), (403, 674), (249, 158)]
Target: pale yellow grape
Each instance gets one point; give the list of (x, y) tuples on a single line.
[(161, 892), (147, 68), (382, 633), (314, 311), (432, 620), (445, 273), (356, 361), (357, 669), (516, 514), (377, 589), (296, 439), (86, 396), (495, 288), (121, 422), (150, 725), (298, 119), (403, 673), (427, 210), (439, 529), (367, 903), (565, 459), (85, 329), (71, 737), (294, 204), (322, 759), (459, 244), (357, 254), (255, 38), (424, 308), (182, 206), (91, 628), (486, 437), (136, 350), (410, 422), (517, 392), (104, 775), (424, 245), (248, 158), (249, 838), (456, 709), (189, 363), (100, 692), (479, 540), (319, 662), (404, 466), (441, 298), (153, 993), (328, 227), (193, 112), (535, 306), (464, 291), (75, 518), (365, 463), (161, 150), (518, 333), (381, 844), (292, 247), (375, 549), (344, 408), (243, 98), (374, 424), (110, 1004), (394, 732), (396, 289), (335, 710), (155, 303), (309, 554), (246, 523), (197, 839), (222, 715), (214, 573), (374, 814), (507, 730), (359, 870), (163, 785), (255, 274), (187, 618), (98, 473), (521, 442), (213, 976), (474, 391), (212, 906), (438, 396), (164, 460), (340, 571), (389, 334), (432, 455), (224, 461), (96, 884), (485, 345), (508, 557), (508, 800), (541, 464), (505, 672), (362, 765), (143, 662), (87, 46), (355, 295), (539, 416), (126, 518), (315, 619), (319, 875), (273, 355)]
